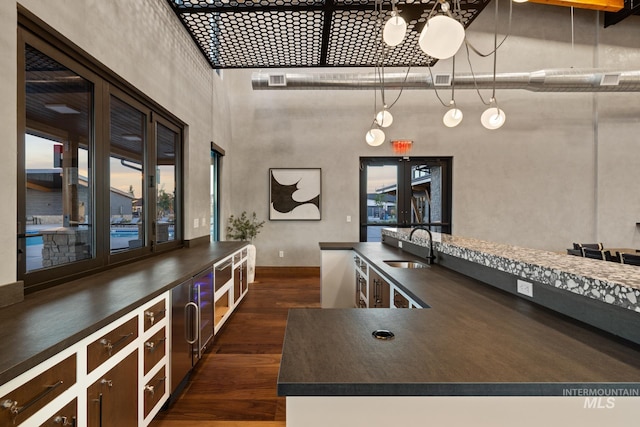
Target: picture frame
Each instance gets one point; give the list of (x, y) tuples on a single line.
[(295, 194)]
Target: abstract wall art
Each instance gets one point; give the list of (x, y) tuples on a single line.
[(294, 194)]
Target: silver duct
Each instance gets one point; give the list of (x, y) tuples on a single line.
[(557, 80)]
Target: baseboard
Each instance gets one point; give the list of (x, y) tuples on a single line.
[(287, 271)]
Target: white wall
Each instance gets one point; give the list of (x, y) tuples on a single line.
[(145, 44), (549, 177)]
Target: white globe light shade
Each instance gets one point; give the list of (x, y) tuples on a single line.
[(384, 118), (520, 1), (452, 118), (493, 118), (375, 137), (394, 30), (441, 37)]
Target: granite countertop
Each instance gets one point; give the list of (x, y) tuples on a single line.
[(609, 282), (471, 340), (51, 320)]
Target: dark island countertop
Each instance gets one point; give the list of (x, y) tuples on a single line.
[(51, 320), (473, 340)]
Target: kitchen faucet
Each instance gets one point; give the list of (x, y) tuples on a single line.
[(431, 256)]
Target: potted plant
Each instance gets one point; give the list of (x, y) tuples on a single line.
[(243, 227)]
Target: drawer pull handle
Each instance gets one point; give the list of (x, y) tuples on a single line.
[(151, 346), (152, 389), (64, 421), (152, 316), (109, 346), (12, 405)]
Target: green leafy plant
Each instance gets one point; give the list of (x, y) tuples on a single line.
[(243, 227)]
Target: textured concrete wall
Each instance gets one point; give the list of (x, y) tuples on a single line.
[(552, 175)]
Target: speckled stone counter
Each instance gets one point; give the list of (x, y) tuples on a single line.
[(609, 282)]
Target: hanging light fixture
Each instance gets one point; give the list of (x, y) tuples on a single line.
[(442, 35), (493, 117), (384, 118), (453, 117), (395, 28), (375, 137)]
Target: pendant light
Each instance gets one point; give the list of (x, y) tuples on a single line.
[(442, 35), (453, 117), (375, 137), (493, 117), (395, 28), (384, 118)]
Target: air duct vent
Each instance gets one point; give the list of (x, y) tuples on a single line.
[(610, 79), (442, 80), (277, 80)]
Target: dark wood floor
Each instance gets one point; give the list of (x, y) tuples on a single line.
[(234, 385)]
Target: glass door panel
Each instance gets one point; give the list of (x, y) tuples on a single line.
[(404, 192), (382, 199), (126, 177), (58, 213)]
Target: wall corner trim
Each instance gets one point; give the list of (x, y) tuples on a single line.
[(11, 293)]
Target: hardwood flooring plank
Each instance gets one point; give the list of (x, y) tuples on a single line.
[(234, 385)]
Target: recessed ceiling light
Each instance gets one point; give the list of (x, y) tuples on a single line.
[(62, 108)]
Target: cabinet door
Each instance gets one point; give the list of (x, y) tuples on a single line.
[(113, 399), (30, 397), (379, 294)]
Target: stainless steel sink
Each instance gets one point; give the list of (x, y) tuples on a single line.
[(407, 264)]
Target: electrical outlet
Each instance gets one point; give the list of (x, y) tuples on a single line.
[(525, 288), (399, 243), (196, 223), (281, 254), (348, 218)]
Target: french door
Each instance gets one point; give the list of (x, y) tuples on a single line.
[(404, 192)]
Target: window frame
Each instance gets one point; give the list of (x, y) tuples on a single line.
[(33, 32)]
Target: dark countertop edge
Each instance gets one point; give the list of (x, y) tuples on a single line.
[(346, 246), (462, 389), (24, 365)]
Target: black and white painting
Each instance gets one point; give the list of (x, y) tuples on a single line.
[(294, 194)]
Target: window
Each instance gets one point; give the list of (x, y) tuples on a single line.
[(404, 192), (99, 168)]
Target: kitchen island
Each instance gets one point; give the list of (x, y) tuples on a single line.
[(474, 355)]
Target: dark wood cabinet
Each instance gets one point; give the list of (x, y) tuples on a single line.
[(33, 395), (67, 416), (154, 349), (111, 343), (379, 292), (399, 300), (113, 399)]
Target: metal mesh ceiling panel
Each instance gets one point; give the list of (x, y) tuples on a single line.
[(307, 33)]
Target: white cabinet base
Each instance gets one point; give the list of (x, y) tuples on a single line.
[(422, 411), (337, 274)]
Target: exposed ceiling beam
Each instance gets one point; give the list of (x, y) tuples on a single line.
[(631, 7), (606, 5)]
